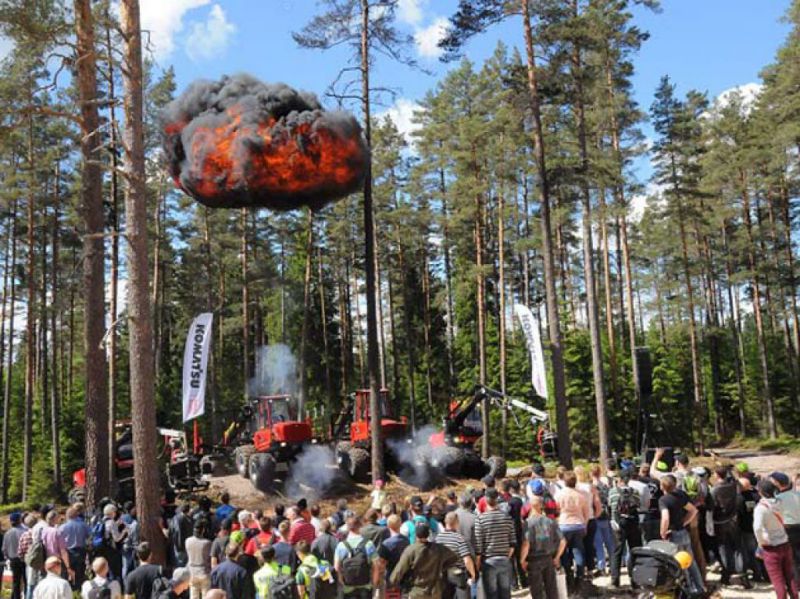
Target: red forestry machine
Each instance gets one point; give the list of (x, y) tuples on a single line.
[(351, 432), (271, 437)]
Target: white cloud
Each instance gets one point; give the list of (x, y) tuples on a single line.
[(402, 113), (749, 93), (428, 38), (410, 11), (207, 39), (163, 19)]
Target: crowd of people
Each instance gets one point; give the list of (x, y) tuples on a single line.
[(488, 541)]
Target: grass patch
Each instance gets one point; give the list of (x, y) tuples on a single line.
[(783, 444)]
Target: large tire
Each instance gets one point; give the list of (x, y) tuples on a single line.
[(496, 467), (242, 457), (448, 460), (261, 469), (359, 464), (343, 456)]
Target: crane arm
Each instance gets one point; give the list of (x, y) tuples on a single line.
[(507, 403)]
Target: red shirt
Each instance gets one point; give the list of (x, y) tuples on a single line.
[(301, 531), (257, 542)]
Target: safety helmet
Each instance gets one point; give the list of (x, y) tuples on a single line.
[(684, 559)]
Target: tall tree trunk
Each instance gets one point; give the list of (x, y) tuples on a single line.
[(10, 356), (325, 343), (30, 351), (245, 304), (7, 274), (448, 283), (554, 324), (772, 427), (737, 344), (588, 255), (789, 256), (426, 327), (161, 200), (96, 371), (113, 304), (369, 257), (306, 312), (609, 294), (55, 398), (142, 387), (501, 284), (481, 305)]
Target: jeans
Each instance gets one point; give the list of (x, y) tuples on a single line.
[(453, 592), (128, 562), (627, 536), (693, 577), (542, 577), (77, 562), (574, 551), (497, 573), (779, 563), (588, 544), (748, 557), (18, 572), (728, 541), (603, 542), (651, 530)]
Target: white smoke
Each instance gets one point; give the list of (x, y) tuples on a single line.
[(313, 473), (275, 371), (413, 458)]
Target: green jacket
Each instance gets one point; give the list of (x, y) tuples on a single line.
[(426, 564), (266, 573)]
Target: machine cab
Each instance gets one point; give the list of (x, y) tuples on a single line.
[(360, 427), (275, 420)]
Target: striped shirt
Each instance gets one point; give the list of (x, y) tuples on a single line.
[(494, 534), (455, 542)]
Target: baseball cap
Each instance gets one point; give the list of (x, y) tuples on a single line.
[(416, 501), (742, 467), (780, 478), (237, 536), (15, 518), (537, 486), (662, 467), (538, 469)]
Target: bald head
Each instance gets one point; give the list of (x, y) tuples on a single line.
[(451, 521), (100, 567), (216, 594), (53, 565)]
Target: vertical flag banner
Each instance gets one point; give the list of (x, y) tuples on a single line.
[(530, 326), (195, 360)]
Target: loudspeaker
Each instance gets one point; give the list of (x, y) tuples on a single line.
[(644, 370)]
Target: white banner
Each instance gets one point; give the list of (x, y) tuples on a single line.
[(530, 326), (195, 360)]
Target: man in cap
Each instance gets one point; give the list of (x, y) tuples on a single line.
[(11, 551), (427, 564), (541, 549), (418, 516), (789, 501), (52, 586)]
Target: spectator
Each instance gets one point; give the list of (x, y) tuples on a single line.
[(575, 512), (268, 572), (216, 594), (219, 544), (513, 507), (386, 511), (453, 540), (372, 530), (198, 550), (32, 575), (466, 519), (131, 540), (300, 529), (115, 534), (16, 563), (725, 511), (180, 529), (264, 537), (537, 473), (539, 488), (324, 546), (488, 483), (284, 552), (225, 510), (230, 577), (624, 504), (378, 496), (178, 585), (495, 540), (53, 541), (339, 515), (389, 554), (355, 562), (603, 535), (417, 516), (773, 542), (101, 585), (585, 486), (75, 533), (314, 578), (451, 505), (203, 514), (280, 510), (314, 511), (542, 548), (789, 500), (650, 495), (139, 583), (52, 586), (750, 499), (677, 513), (426, 563)]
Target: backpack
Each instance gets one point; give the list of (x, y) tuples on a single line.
[(356, 569), (412, 527), (160, 586), (102, 591), (98, 535), (35, 556), (691, 486), (282, 586), (628, 506), (319, 587), (602, 491)]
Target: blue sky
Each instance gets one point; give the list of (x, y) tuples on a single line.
[(711, 45)]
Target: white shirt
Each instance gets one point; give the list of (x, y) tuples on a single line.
[(315, 524), (644, 494), (98, 582), (52, 587)]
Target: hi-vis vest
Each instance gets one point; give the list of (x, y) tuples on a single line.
[(266, 573)]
